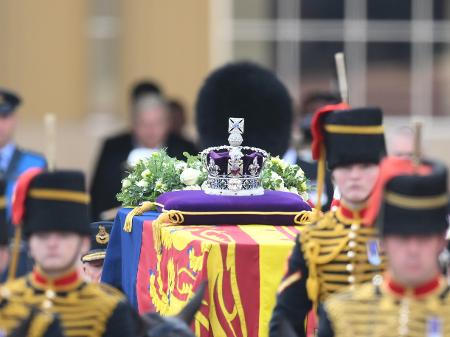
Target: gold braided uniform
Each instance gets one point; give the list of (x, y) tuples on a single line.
[(336, 253), (329, 255), (43, 324), (84, 309), (379, 311)]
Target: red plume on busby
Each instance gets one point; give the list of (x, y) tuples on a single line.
[(390, 167), (317, 126), (409, 198), (318, 147), (20, 194)]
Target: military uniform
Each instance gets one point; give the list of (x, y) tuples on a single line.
[(13, 162), (12, 314), (85, 309), (388, 310), (412, 203), (337, 250), (57, 202)]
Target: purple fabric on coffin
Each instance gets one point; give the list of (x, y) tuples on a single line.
[(199, 201)]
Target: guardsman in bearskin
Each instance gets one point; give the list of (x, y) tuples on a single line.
[(93, 260), (52, 208), (335, 250), (409, 204)]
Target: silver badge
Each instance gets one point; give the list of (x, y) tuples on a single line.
[(373, 252), (434, 327)]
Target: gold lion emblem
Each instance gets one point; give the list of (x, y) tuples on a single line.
[(102, 236)]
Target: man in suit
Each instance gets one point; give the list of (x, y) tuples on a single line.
[(150, 130), (13, 162)]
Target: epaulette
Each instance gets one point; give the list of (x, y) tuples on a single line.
[(16, 286), (110, 290)]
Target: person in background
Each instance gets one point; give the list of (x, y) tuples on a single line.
[(245, 90), (94, 258), (4, 249), (13, 162), (401, 142), (150, 129), (177, 117), (412, 298), (300, 153)]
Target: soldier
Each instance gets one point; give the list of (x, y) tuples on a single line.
[(335, 251), (53, 210), (93, 260), (413, 298)]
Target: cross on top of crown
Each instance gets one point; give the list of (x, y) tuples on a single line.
[(236, 125)]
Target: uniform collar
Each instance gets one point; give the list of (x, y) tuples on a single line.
[(65, 282), (6, 153), (348, 214), (427, 288)]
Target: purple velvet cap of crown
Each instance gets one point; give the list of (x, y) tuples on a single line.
[(199, 201), (221, 158)]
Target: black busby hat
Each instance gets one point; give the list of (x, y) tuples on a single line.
[(100, 232), (344, 136), (8, 102), (3, 219), (351, 136), (410, 199), (51, 201), (245, 90)]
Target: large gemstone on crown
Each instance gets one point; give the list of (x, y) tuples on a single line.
[(234, 170), (251, 163)]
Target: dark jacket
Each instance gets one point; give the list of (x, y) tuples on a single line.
[(110, 168)]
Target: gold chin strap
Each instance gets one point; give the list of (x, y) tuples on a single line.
[(15, 254), (320, 180)]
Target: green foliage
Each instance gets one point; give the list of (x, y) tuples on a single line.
[(151, 177)]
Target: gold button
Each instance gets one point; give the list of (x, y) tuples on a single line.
[(352, 244), (47, 304), (351, 279), (352, 235), (351, 254), (377, 280), (354, 227), (50, 294), (4, 292), (349, 267)]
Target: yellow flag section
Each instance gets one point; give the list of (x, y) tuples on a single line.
[(275, 245)]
